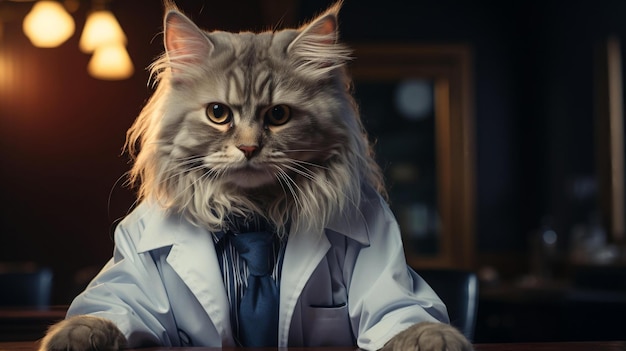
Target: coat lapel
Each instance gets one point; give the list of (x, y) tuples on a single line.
[(303, 253), (193, 258)]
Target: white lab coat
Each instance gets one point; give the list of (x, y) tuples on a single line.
[(349, 285)]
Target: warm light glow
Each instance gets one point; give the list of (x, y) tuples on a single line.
[(48, 25), (5, 72), (111, 62), (101, 28)]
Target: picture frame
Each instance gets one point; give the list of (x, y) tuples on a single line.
[(438, 227)]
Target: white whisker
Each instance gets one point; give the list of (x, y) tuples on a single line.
[(305, 163), (310, 175), (278, 178), (300, 150), (288, 182)]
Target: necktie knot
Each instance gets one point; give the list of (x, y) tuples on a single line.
[(256, 249)]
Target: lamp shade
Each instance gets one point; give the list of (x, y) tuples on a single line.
[(101, 28), (111, 62), (48, 25)]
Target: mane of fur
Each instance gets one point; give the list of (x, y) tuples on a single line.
[(207, 201)]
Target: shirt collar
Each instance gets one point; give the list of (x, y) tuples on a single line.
[(163, 228), (353, 221)]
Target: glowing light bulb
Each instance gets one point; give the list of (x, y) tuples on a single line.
[(111, 62), (101, 28), (48, 25)]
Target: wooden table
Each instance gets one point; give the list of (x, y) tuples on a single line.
[(557, 346)]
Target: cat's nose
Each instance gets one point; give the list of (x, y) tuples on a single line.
[(248, 150)]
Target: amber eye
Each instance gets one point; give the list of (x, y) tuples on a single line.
[(219, 113), (278, 115)]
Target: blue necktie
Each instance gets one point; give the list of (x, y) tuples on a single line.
[(258, 310)]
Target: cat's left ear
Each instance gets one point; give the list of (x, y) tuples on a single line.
[(316, 49), (185, 44)]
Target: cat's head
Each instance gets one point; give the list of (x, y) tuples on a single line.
[(252, 123)]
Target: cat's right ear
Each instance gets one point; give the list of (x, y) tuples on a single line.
[(186, 45)]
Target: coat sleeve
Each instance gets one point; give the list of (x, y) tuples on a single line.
[(129, 292), (386, 296)]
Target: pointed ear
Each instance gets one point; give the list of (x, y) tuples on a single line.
[(316, 47), (185, 43), (323, 29)]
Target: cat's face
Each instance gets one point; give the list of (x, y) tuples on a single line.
[(252, 123), (242, 111)]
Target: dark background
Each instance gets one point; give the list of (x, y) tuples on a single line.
[(61, 131)]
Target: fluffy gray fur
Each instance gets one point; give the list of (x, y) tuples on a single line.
[(304, 171)]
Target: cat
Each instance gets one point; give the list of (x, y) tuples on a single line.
[(255, 126)]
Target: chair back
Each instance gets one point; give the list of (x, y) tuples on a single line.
[(459, 291), (26, 289)]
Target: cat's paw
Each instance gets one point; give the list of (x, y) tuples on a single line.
[(83, 333), (427, 336)]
